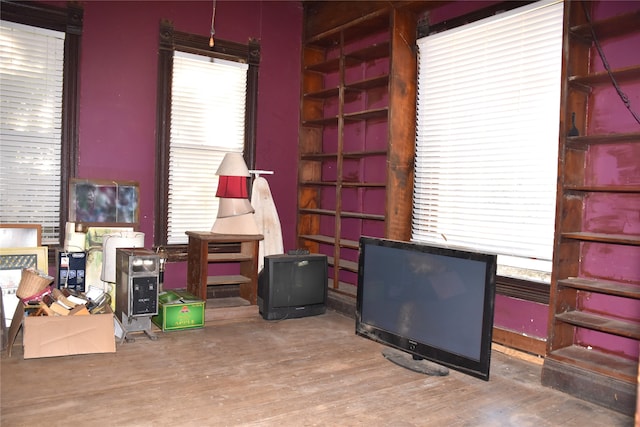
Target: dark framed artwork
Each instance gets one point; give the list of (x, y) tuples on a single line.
[(104, 202)]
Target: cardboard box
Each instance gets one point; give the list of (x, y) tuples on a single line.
[(179, 310), (50, 336)]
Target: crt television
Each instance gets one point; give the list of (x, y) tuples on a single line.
[(430, 302), (292, 285)]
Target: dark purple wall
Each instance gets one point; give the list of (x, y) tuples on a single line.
[(118, 74)]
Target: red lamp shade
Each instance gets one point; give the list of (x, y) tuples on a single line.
[(232, 187)]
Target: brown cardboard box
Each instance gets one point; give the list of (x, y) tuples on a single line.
[(49, 336)]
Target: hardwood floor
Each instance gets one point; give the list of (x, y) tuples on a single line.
[(243, 370)]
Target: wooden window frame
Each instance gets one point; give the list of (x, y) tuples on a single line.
[(171, 40), (506, 286), (70, 21)]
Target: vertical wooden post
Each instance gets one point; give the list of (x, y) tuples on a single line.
[(402, 125)]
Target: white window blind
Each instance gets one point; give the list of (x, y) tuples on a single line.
[(208, 104), (31, 76), (487, 137)]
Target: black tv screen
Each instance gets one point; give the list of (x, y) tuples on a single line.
[(432, 302), (291, 286)]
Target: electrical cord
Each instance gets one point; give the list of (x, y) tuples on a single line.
[(66, 276), (621, 94)]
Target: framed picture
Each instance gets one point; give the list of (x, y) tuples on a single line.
[(20, 235), (104, 202), (12, 261)]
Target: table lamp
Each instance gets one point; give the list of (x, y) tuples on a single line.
[(235, 213)]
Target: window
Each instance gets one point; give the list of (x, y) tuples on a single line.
[(487, 138), (207, 121), (31, 125), (39, 48), (207, 100)]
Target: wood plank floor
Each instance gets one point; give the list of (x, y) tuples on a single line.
[(241, 370)]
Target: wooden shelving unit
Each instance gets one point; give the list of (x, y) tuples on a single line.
[(347, 101), (583, 358), (205, 248)]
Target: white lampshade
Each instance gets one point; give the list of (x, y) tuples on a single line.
[(233, 165), (242, 224), (234, 207)]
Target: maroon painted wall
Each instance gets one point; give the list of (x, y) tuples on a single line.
[(118, 74)]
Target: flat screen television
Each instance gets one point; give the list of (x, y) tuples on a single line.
[(291, 286), (432, 303)]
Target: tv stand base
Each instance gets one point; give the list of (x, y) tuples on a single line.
[(408, 361)]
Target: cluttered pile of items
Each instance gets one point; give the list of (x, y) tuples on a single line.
[(58, 322), (106, 286), (40, 298)]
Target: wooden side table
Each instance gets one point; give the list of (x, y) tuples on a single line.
[(199, 257)]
